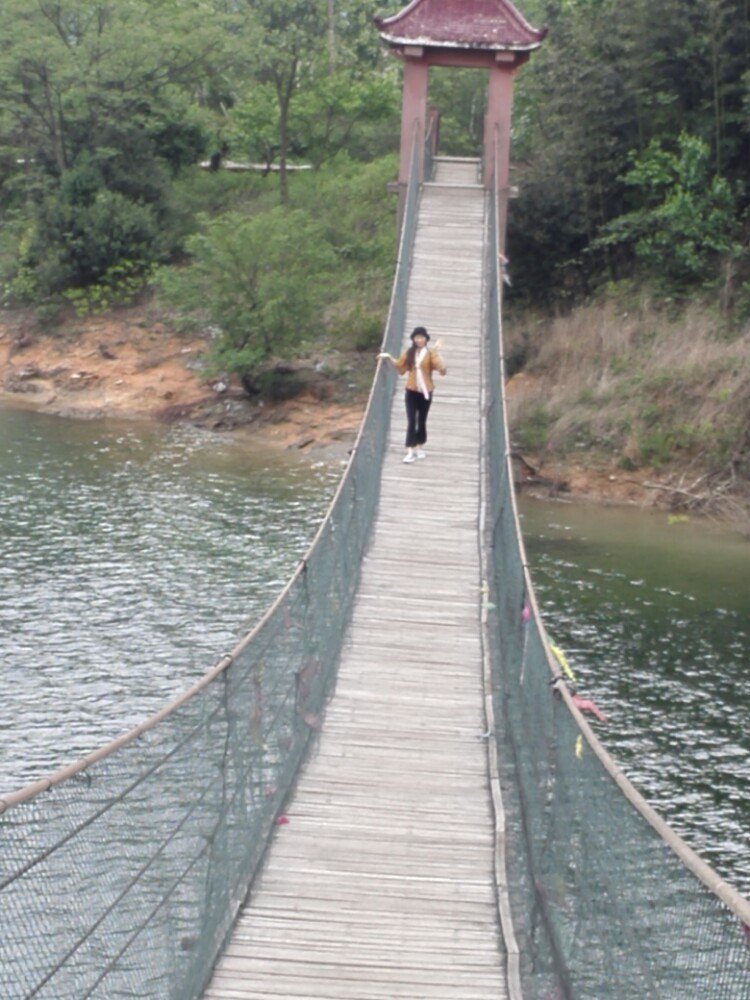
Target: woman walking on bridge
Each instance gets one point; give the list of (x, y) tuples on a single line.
[(418, 363)]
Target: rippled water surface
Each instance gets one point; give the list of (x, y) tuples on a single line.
[(132, 557), (655, 621)]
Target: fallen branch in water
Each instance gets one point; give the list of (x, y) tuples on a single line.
[(719, 501), (669, 488), (528, 475)]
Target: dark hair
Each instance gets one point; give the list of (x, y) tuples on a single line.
[(411, 354)]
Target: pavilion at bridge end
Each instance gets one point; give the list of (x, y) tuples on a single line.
[(482, 34)]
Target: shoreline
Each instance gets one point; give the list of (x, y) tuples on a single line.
[(320, 431), (126, 366)]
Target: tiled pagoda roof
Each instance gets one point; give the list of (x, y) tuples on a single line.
[(474, 24)]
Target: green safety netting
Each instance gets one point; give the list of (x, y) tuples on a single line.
[(122, 879), (607, 903)]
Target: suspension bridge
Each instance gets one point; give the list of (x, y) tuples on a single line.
[(386, 789)]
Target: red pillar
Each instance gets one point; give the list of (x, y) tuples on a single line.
[(497, 136), (414, 109)]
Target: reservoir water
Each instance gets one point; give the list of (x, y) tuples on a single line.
[(654, 618), (132, 556)]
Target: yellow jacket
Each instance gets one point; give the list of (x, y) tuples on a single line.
[(430, 362)]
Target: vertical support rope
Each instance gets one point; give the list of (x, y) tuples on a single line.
[(122, 874), (513, 969), (604, 904)]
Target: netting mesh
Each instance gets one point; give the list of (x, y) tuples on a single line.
[(432, 132), (602, 907), (124, 880)]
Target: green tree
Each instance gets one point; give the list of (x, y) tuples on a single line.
[(254, 125), (96, 105), (284, 38), (609, 79), (461, 96), (317, 82), (688, 216), (343, 110), (259, 281)]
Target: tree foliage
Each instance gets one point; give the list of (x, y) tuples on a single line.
[(96, 117), (258, 281), (263, 281), (284, 37), (610, 80), (687, 219), (461, 96), (314, 84), (103, 103)]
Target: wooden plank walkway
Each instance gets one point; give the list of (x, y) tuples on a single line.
[(381, 886)]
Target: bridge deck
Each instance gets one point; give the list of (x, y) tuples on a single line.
[(381, 885)]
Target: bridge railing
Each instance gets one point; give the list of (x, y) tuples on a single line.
[(606, 900), (431, 140), (121, 875)]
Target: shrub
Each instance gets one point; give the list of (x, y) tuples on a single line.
[(260, 281), (531, 432), (360, 328), (688, 217), (81, 233)]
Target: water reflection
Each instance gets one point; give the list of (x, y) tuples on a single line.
[(131, 557), (654, 619)]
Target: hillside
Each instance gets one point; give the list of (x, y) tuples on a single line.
[(127, 364), (631, 162), (637, 392)]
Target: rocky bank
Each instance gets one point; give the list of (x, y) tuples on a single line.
[(127, 366)]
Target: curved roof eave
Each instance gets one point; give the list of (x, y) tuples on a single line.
[(480, 46)]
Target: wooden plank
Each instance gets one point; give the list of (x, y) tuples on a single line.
[(381, 885)]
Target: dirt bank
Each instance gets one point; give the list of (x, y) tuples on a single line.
[(593, 477), (127, 366), (598, 475)]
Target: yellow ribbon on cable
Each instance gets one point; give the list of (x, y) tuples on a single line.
[(563, 661)]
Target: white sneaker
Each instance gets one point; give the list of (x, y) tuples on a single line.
[(421, 453), (409, 457)]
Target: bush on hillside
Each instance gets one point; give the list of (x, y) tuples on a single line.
[(687, 220), (259, 282), (633, 384)]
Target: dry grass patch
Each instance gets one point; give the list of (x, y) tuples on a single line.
[(641, 385)]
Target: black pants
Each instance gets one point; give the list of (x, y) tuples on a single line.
[(417, 408)]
